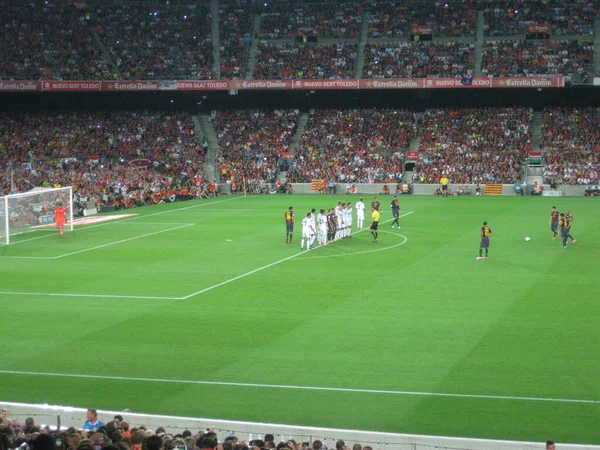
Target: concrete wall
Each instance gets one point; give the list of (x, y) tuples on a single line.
[(67, 416), (429, 189)]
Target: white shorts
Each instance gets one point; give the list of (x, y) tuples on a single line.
[(307, 233), (360, 216)]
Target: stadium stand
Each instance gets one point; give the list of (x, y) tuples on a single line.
[(353, 146), (332, 19), (507, 18), (473, 145), (107, 156), (519, 58), (571, 145), (253, 142), (235, 37), (67, 41), (152, 42), (48, 42), (389, 19), (332, 61), (418, 60)]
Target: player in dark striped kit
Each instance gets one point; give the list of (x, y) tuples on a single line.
[(554, 222), (485, 233)]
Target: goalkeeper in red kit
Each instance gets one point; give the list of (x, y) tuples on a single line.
[(59, 218)]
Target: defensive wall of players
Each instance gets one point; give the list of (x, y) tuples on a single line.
[(247, 431)]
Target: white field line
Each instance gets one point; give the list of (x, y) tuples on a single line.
[(158, 223), (304, 388), (110, 222), (121, 241), (58, 294), (375, 250), (231, 280), (26, 257)]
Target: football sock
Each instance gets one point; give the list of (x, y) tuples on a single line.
[(486, 252), (480, 252)]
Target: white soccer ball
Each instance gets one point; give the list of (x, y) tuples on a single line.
[(527, 239)]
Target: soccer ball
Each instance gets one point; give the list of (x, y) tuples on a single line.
[(527, 239)]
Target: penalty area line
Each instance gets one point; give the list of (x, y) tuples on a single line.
[(304, 388), (121, 241), (122, 221)]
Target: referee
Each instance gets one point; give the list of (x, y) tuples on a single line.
[(374, 223), (444, 182)]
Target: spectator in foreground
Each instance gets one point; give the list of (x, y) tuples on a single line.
[(550, 445), (92, 423)]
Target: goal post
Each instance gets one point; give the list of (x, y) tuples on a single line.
[(33, 211)]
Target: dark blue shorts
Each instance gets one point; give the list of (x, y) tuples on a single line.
[(554, 226), (564, 233), (289, 226), (485, 243)]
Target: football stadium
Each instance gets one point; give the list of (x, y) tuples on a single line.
[(298, 224)]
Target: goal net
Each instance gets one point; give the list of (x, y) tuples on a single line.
[(33, 211)]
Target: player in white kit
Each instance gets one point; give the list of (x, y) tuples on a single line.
[(349, 219), (338, 216), (344, 217), (308, 232), (322, 228), (360, 213), (313, 217)]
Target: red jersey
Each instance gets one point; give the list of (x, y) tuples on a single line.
[(59, 215)]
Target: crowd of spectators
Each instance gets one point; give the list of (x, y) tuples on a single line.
[(64, 41), (115, 158), (396, 19), (523, 58), (120, 434), (571, 145), (353, 146), (418, 60), (48, 42), (142, 155), (331, 61), (330, 19), (253, 143), (473, 145), (235, 28), (156, 42), (511, 17)]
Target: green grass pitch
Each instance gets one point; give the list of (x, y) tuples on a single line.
[(389, 329)]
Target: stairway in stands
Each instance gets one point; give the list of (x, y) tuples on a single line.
[(362, 42), (415, 144), (534, 171), (597, 46), (203, 127), (536, 131), (302, 121), (98, 40), (215, 37), (251, 62), (479, 37)]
